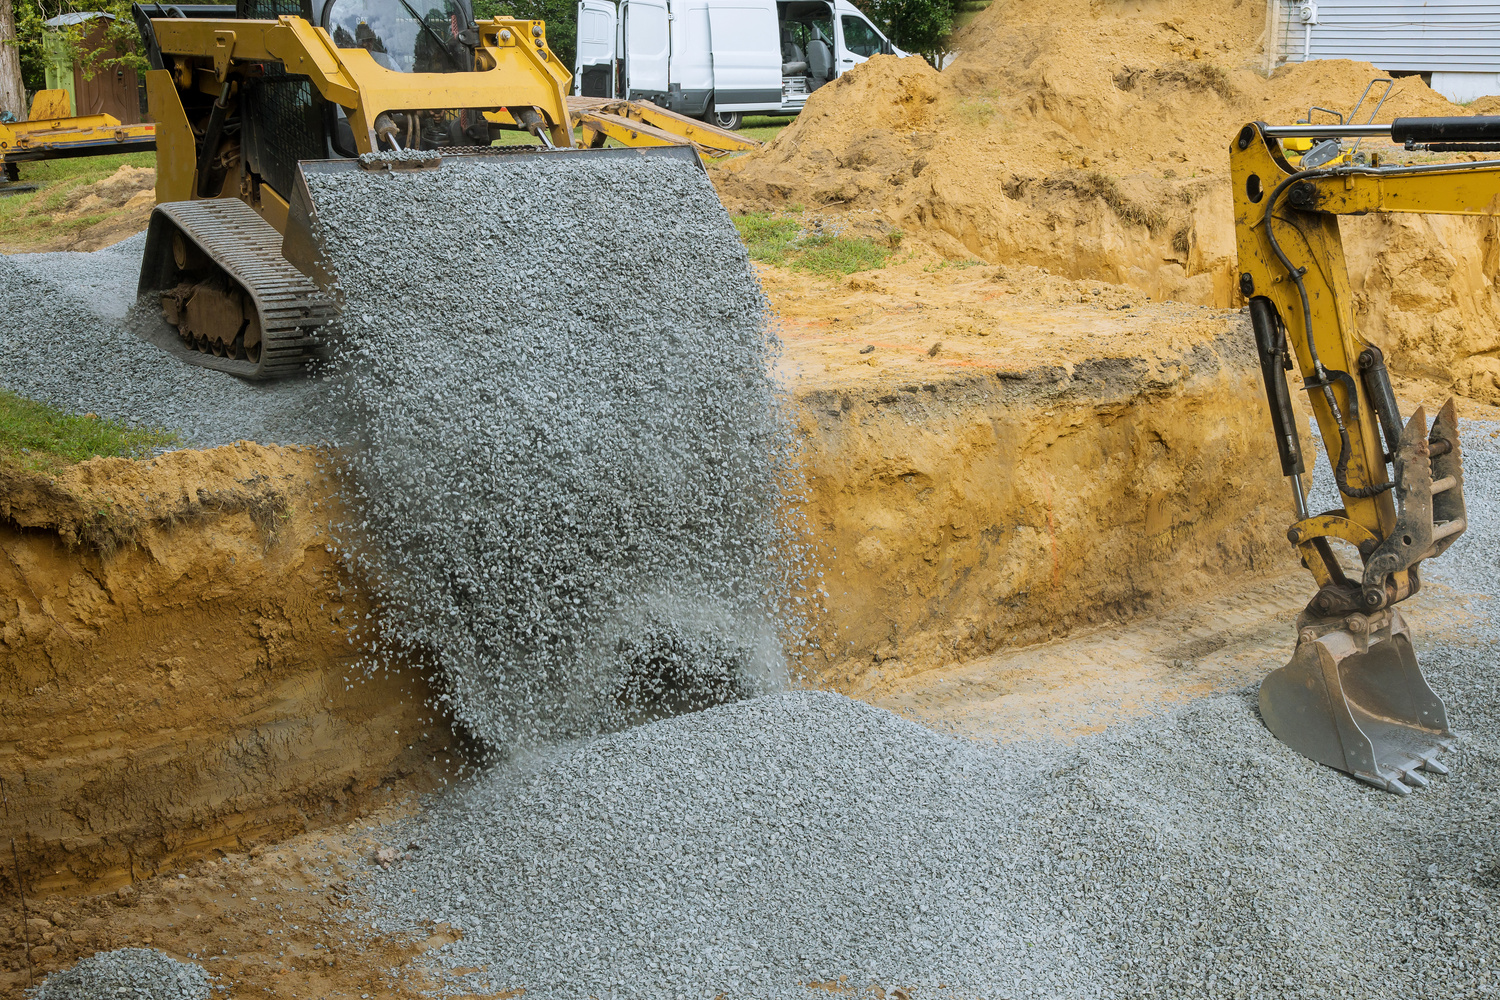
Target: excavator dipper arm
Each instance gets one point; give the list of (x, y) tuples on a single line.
[(1353, 696)]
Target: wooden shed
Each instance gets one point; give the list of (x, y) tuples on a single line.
[(113, 91)]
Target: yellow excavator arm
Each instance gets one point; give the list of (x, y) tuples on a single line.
[(1353, 696)]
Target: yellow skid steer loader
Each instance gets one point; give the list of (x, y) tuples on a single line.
[(249, 100)]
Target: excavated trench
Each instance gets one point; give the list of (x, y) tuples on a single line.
[(179, 641)]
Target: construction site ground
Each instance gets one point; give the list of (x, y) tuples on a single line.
[(1039, 482), (899, 440)]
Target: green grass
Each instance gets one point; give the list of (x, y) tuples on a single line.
[(782, 240), (20, 222), (38, 438), (945, 264), (763, 128)]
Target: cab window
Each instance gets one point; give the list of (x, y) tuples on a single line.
[(860, 38), (399, 36)]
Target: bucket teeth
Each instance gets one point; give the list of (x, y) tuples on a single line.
[(1359, 703)]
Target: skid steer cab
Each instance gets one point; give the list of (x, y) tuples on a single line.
[(247, 99), (1353, 696)]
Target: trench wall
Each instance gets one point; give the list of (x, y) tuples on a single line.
[(176, 670), (177, 645), (958, 516)]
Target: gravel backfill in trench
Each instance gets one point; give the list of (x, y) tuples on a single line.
[(560, 432), (126, 974), (803, 836)]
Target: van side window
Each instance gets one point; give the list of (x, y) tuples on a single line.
[(859, 37)]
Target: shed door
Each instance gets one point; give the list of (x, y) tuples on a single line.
[(747, 55), (647, 48)]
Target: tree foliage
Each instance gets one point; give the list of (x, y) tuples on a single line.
[(561, 17), (920, 26), (120, 45)]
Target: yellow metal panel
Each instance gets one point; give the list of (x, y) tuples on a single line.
[(520, 71), (50, 104), (273, 208), (1471, 191), (627, 132), (708, 138), (176, 154), (1311, 240)]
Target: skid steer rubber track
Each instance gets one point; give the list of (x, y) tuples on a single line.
[(290, 306)]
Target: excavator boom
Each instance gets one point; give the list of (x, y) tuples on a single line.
[(1353, 696)]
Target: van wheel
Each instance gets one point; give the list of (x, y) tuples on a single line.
[(730, 120)]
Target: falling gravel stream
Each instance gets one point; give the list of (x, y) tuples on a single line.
[(561, 437)]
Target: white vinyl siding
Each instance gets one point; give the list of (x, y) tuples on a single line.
[(1452, 36)]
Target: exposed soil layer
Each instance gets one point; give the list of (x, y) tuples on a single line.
[(1092, 140), (268, 921), (1056, 459), (176, 667)]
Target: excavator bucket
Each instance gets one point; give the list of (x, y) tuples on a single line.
[(1354, 698)]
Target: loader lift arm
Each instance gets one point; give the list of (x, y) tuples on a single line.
[(1353, 696)]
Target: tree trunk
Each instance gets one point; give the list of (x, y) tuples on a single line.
[(12, 90)]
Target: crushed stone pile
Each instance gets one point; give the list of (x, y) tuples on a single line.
[(801, 837), (64, 341), (129, 974), (563, 438), (1092, 140)]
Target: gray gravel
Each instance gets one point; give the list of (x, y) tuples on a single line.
[(63, 340), (751, 847), (127, 974), (562, 437)]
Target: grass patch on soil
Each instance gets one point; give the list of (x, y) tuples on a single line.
[(1097, 184), (26, 218), (784, 241), (763, 128), (36, 437)]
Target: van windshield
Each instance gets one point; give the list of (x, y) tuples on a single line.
[(399, 36)]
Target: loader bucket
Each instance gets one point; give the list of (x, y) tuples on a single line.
[(1357, 701), (301, 244)]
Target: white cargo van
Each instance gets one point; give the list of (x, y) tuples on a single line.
[(718, 59)]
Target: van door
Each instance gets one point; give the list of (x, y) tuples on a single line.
[(747, 55), (647, 50), (594, 75), (858, 41)]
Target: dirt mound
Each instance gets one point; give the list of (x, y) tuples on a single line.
[(93, 216), (128, 187), (1092, 141)]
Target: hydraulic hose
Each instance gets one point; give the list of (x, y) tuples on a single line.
[(1341, 468)]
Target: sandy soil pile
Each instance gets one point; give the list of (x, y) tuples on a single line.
[(94, 215), (1091, 138)]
